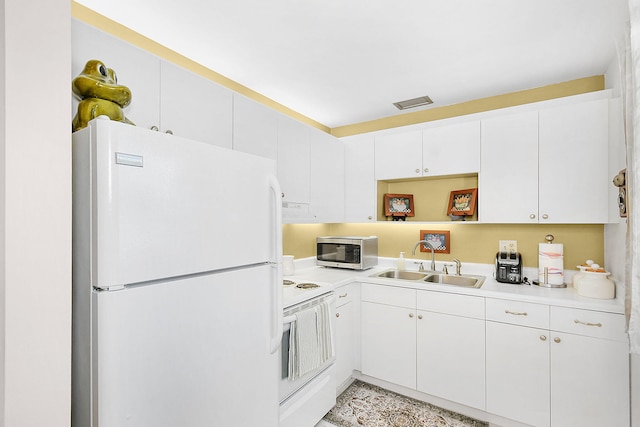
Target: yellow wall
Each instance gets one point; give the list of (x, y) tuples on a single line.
[(469, 242)]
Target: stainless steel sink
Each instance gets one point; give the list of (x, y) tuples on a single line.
[(450, 279), (402, 275)]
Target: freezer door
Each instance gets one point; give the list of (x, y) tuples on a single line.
[(161, 206), (189, 353)]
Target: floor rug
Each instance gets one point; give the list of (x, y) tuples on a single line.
[(365, 405)]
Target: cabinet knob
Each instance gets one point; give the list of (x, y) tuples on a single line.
[(411, 315), (170, 132), (543, 338), (557, 340), (417, 170), (420, 316), (426, 170), (370, 217), (545, 216), (282, 194), (532, 216), (154, 128), (337, 314)]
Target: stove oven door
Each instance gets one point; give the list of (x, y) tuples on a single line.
[(304, 401)]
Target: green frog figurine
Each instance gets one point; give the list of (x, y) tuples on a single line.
[(100, 94)]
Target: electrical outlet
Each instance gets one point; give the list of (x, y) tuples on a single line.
[(508, 246)]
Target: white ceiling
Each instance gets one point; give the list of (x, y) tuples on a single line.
[(341, 62)]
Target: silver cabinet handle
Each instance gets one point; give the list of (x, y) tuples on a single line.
[(343, 295), (516, 313), (411, 315), (154, 127), (580, 322), (369, 217), (426, 170), (557, 340), (420, 316), (337, 314), (532, 216), (282, 195), (545, 216), (417, 170), (170, 132), (543, 338)]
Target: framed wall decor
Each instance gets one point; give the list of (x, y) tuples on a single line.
[(463, 202), (440, 239), (398, 206)]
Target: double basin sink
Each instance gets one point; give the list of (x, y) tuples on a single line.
[(465, 280)]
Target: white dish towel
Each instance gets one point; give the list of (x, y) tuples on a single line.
[(310, 340)]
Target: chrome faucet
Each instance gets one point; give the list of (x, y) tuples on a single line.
[(458, 265), (433, 254)]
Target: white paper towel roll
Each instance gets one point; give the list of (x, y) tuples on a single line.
[(551, 256)]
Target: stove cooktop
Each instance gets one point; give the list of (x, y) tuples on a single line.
[(298, 291)]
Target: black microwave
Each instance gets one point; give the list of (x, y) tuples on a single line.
[(356, 253)]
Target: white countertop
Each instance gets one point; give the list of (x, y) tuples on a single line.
[(306, 269)]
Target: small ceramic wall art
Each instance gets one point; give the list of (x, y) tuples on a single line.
[(100, 95)]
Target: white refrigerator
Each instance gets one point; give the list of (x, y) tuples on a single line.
[(177, 282)]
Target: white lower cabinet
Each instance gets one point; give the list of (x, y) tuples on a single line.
[(554, 366), (346, 332), (451, 347), (389, 334)]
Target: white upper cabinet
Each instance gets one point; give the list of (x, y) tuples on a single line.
[(508, 182), (194, 107), (293, 159), (546, 166), (359, 179), (165, 96), (452, 149), (573, 163), (327, 177), (440, 150), (255, 128), (398, 156)]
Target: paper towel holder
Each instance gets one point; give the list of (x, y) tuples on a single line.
[(549, 238)]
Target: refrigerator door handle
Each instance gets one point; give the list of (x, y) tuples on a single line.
[(276, 305)]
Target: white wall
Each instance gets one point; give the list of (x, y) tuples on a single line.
[(35, 213)]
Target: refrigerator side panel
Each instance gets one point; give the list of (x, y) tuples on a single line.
[(167, 206), (81, 292), (192, 352)]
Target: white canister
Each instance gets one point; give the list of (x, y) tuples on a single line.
[(596, 285), (288, 268)]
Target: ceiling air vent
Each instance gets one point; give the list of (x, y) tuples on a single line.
[(415, 102)]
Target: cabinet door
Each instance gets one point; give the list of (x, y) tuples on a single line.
[(508, 180), (255, 128), (327, 177), (135, 68), (398, 156), (589, 381), (573, 163), (293, 159), (194, 107), (389, 343), (450, 351), (451, 149), (345, 337), (518, 373), (359, 179)]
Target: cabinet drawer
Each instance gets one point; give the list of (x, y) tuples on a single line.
[(518, 313), (389, 295), (455, 304), (589, 323), (344, 295)]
